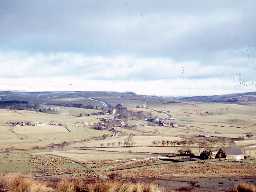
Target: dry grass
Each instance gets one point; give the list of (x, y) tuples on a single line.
[(109, 186), (17, 183), (27, 137), (245, 187)]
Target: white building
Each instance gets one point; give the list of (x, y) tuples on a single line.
[(234, 153)]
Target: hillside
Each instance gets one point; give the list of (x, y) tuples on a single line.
[(242, 98)]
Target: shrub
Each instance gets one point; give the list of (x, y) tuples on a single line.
[(245, 187), (206, 154), (220, 154)]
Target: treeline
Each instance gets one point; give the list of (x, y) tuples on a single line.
[(14, 104), (25, 105)]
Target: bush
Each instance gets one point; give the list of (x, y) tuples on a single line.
[(245, 187), (206, 154)]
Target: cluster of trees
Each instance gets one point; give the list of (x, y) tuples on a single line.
[(204, 155), (166, 143), (113, 144), (25, 105), (50, 110), (128, 142)]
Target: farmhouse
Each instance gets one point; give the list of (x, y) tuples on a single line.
[(234, 153), (167, 122), (120, 111), (108, 124), (22, 123)]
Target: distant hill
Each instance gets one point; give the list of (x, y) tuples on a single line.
[(102, 99), (242, 98), (81, 99)]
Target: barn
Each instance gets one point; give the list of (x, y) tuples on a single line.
[(234, 153)]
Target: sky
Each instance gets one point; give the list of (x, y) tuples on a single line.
[(163, 47)]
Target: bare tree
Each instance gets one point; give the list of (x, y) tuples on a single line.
[(129, 142), (163, 142), (154, 142)]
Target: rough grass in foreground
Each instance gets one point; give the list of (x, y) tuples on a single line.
[(17, 183), (109, 186)]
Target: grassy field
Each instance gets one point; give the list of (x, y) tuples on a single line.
[(65, 144), (43, 134)]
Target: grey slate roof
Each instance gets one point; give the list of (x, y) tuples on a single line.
[(233, 150)]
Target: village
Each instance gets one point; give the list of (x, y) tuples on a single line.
[(120, 118), (115, 119), (124, 140)]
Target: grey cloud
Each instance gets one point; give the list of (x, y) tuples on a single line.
[(17, 65), (128, 40), (181, 29)]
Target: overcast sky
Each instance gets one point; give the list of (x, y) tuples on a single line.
[(163, 47)]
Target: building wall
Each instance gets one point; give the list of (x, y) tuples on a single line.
[(235, 157)]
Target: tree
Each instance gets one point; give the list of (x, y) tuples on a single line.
[(154, 142), (104, 136), (220, 154), (206, 154), (163, 142), (128, 142)]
